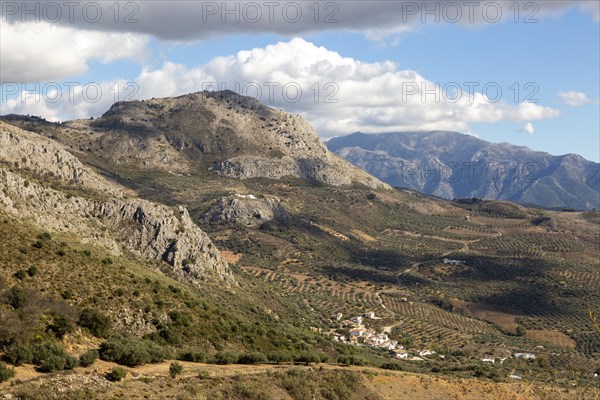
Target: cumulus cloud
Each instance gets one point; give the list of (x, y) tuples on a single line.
[(191, 20), (33, 52), (574, 99), (528, 129), (336, 94)]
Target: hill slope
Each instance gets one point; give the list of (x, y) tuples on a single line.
[(453, 165), (221, 133)]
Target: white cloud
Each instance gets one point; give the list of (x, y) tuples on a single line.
[(34, 52), (339, 94), (528, 129), (574, 99)]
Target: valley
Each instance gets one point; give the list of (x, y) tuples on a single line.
[(231, 267)]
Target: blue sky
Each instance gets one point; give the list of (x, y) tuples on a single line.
[(560, 53)]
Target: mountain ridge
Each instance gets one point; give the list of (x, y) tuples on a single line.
[(220, 133), (496, 171)]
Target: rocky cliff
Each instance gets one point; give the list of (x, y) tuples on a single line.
[(105, 217)]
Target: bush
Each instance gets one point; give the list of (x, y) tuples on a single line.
[(6, 372), (133, 351), (394, 366), (19, 354), (88, 358), (351, 360), (175, 369), (192, 356), (20, 274), (17, 297), (308, 358), (116, 374), (97, 323), (280, 356), (32, 271), (225, 357), (45, 236), (50, 357), (60, 326), (252, 358), (52, 363)]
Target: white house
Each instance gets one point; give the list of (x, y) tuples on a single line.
[(369, 315), (488, 359), (524, 356), (453, 262)]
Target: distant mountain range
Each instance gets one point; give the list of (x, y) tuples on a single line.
[(455, 165)]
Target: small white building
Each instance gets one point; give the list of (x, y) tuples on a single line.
[(488, 360), (524, 356), (453, 262), (370, 315), (357, 332), (401, 355)]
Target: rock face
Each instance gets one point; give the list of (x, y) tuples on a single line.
[(245, 210), (453, 165), (219, 132), (26, 150), (153, 231)]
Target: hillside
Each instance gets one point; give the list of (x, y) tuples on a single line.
[(452, 165), (118, 252), (219, 133)]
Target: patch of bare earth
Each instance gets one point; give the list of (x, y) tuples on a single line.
[(551, 336)]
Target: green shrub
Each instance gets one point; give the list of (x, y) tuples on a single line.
[(60, 326), (88, 358), (50, 357), (308, 358), (52, 363), (45, 236), (133, 351), (32, 271), (97, 323), (192, 356), (252, 358), (116, 374), (225, 357), (71, 362), (20, 274), (67, 295), (393, 366), (19, 354), (175, 369), (6, 372), (17, 297), (280, 356), (351, 360)]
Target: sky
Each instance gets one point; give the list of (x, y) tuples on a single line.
[(522, 72)]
